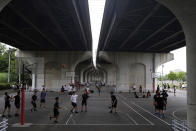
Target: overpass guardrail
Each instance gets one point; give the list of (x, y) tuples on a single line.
[(4, 125), (180, 125)]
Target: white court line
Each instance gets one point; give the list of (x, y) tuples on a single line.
[(152, 114), (148, 112), (132, 119), (85, 125), (138, 113), (173, 114), (99, 99), (109, 125), (68, 119)]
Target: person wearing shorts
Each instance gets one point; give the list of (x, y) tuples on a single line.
[(74, 102), (114, 102), (160, 105), (33, 101), (56, 110), (84, 101), (43, 98), (17, 102), (155, 102), (7, 99)]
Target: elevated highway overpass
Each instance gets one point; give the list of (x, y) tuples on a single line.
[(136, 37)]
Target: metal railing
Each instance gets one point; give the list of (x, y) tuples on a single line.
[(180, 125), (4, 125)]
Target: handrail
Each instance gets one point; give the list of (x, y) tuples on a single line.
[(180, 125), (4, 125)]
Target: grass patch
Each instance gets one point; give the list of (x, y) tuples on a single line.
[(3, 77)]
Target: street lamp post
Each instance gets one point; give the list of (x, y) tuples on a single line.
[(9, 55), (9, 63), (162, 74)]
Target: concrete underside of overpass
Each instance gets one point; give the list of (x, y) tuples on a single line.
[(123, 69), (55, 37)]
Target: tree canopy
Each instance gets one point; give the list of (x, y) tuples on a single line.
[(4, 59), (178, 76)]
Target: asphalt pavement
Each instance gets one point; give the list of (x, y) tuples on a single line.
[(132, 113)]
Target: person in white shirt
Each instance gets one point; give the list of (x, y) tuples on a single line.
[(69, 90), (134, 87), (74, 102)]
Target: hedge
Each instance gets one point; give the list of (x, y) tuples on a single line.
[(4, 86)]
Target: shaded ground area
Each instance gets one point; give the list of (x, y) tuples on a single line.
[(133, 114)]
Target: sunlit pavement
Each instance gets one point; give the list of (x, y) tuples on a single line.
[(133, 114)]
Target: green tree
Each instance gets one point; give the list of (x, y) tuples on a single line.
[(163, 78), (4, 62), (172, 76), (181, 76), (2, 48)]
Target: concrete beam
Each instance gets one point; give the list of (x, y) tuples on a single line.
[(173, 44), (155, 33), (109, 31), (76, 13), (130, 13), (164, 40), (17, 12), (20, 33), (56, 23), (140, 25), (13, 39)]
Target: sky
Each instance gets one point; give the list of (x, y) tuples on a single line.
[(179, 62), (96, 9)]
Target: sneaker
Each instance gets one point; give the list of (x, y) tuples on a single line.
[(162, 116), (55, 121), (3, 115), (156, 114), (76, 112)]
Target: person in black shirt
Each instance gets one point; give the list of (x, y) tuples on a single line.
[(165, 95), (148, 94), (7, 105), (114, 102), (155, 102), (17, 102), (56, 110), (99, 90), (62, 89), (33, 102), (160, 105), (84, 101)]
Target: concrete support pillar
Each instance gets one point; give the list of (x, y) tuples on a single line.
[(33, 81), (81, 77), (185, 11), (153, 70)]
